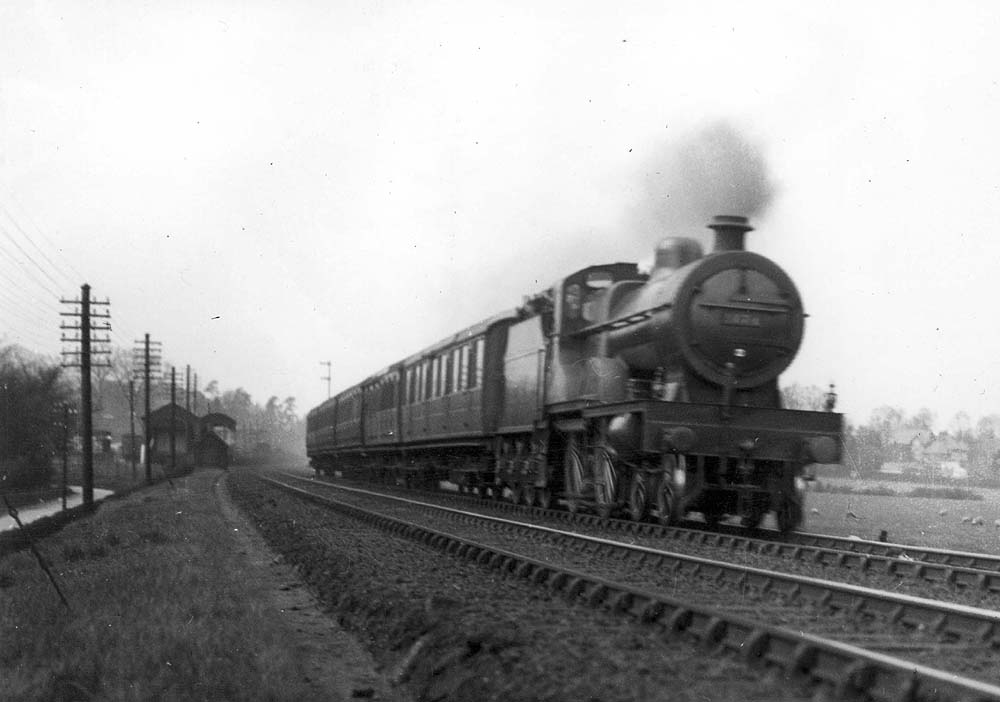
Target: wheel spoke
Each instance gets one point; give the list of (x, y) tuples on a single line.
[(604, 483), (666, 502), (638, 499)]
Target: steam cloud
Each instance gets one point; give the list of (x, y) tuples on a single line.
[(714, 171)]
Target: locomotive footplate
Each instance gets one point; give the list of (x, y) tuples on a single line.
[(760, 433)]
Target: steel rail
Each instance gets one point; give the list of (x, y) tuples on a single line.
[(849, 670), (936, 556), (967, 570)]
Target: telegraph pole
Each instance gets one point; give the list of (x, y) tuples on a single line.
[(326, 377), (194, 400), (146, 360), (187, 388), (131, 424), (173, 419), (66, 412), (85, 327)]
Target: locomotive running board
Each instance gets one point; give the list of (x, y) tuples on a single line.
[(771, 434)]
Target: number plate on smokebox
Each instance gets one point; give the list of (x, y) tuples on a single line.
[(741, 319)]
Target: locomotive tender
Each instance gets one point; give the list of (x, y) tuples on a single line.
[(656, 394)]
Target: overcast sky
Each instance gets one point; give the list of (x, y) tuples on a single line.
[(264, 186)]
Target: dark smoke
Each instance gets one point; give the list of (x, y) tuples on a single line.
[(714, 171)]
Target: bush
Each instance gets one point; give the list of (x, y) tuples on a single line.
[(31, 393), (19, 474)]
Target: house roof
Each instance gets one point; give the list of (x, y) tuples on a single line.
[(160, 417)]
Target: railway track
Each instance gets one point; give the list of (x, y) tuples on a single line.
[(984, 562), (977, 573), (853, 652)]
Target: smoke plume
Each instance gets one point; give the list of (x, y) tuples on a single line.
[(713, 171)]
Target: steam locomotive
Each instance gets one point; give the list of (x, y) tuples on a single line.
[(653, 395)]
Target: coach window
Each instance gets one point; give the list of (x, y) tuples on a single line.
[(448, 365), (463, 368), (449, 378), (445, 368), (471, 378), (481, 360)]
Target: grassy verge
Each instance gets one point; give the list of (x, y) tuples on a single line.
[(162, 607)]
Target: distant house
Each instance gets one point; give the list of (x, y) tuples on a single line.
[(908, 445), (177, 444), (905, 450), (949, 456)]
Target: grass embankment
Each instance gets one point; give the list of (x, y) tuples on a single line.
[(162, 606), (937, 519)]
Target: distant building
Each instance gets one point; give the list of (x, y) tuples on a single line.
[(203, 441), (178, 442), (918, 453), (908, 445), (218, 434), (945, 449)]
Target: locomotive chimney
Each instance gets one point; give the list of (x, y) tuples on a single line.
[(729, 231)]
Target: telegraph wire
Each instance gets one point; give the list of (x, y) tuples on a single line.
[(21, 314), (48, 241), (38, 292), (29, 257), (30, 304), (26, 303), (25, 234), (58, 253), (33, 303), (37, 335), (122, 340)]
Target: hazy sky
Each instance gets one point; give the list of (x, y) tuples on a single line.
[(264, 186)]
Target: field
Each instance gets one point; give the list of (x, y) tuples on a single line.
[(926, 521)]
